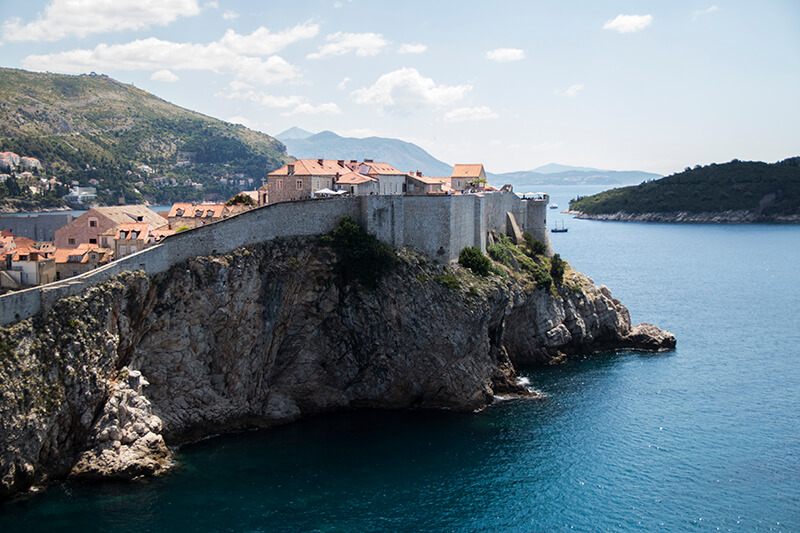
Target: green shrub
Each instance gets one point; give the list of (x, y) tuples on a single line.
[(241, 199), (557, 266), (473, 259), (451, 282), (501, 254), (542, 277), (362, 256), (535, 246)]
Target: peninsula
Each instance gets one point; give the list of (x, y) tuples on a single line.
[(252, 322), (734, 192)]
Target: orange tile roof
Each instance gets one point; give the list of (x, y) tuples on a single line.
[(427, 179), (353, 178), (191, 210), (381, 169), (467, 171), (313, 167), (133, 230)]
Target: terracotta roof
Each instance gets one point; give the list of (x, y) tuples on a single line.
[(197, 210), (467, 171), (133, 231), (80, 254), (427, 179), (312, 167), (353, 178), (131, 213), (379, 168), (26, 251)]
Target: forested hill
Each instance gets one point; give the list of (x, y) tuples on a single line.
[(764, 191), (94, 127)]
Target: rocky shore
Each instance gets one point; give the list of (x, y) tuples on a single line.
[(105, 382), (716, 217)]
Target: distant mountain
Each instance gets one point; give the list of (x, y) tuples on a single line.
[(555, 168), (402, 155), (555, 175), (293, 133), (768, 192), (92, 127)]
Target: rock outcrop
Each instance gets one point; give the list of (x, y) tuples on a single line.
[(268, 334)]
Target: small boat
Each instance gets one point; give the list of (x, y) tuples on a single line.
[(559, 229), (553, 206)]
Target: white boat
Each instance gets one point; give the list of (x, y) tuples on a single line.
[(553, 206)]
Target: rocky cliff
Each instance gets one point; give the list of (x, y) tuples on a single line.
[(104, 382)]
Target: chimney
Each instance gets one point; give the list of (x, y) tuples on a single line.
[(368, 161), (289, 169), (353, 161), (320, 161), (340, 162)]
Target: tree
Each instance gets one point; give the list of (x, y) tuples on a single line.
[(473, 259), (557, 269), (241, 199)]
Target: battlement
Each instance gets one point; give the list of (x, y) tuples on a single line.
[(439, 226)]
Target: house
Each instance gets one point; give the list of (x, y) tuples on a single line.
[(132, 237), (98, 221), (390, 180), (263, 195), (81, 194), (191, 215), (356, 184), (26, 266), (417, 184), (300, 179), (468, 177), (75, 261)]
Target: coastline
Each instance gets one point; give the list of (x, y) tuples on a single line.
[(683, 217)]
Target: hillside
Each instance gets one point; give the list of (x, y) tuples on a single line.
[(94, 127), (753, 191), (404, 156)]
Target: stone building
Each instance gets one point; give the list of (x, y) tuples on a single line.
[(468, 177), (87, 228)]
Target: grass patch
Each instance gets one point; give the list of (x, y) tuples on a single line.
[(451, 282)]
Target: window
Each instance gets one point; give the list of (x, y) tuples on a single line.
[(92, 241), (92, 222), (122, 251), (299, 184), (279, 184), (71, 240), (179, 212)]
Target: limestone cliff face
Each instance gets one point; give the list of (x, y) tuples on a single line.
[(267, 335)]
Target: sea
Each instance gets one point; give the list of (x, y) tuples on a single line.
[(703, 438)]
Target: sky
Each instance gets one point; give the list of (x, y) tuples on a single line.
[(515, 84)]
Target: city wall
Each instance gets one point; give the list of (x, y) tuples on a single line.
[(438, 226)]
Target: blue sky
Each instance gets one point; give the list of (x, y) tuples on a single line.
[(622, 85)]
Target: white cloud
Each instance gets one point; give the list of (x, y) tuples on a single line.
[(697, 14), (308, 109), (230, 15), (164, 75), (407, 88), (262, 42), (343, 84), (298, 104), (504, 55), (65, 18), (629, 23), (412, 48), (574, 89), (469, 113), (340, 43), (233, 54)]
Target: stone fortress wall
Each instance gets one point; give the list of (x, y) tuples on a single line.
[(439, 226)]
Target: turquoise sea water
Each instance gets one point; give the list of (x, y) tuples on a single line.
[(704, 438)]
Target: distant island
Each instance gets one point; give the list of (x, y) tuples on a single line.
[(733, 192)]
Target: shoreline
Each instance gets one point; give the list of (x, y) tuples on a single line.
[(683, 217)]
